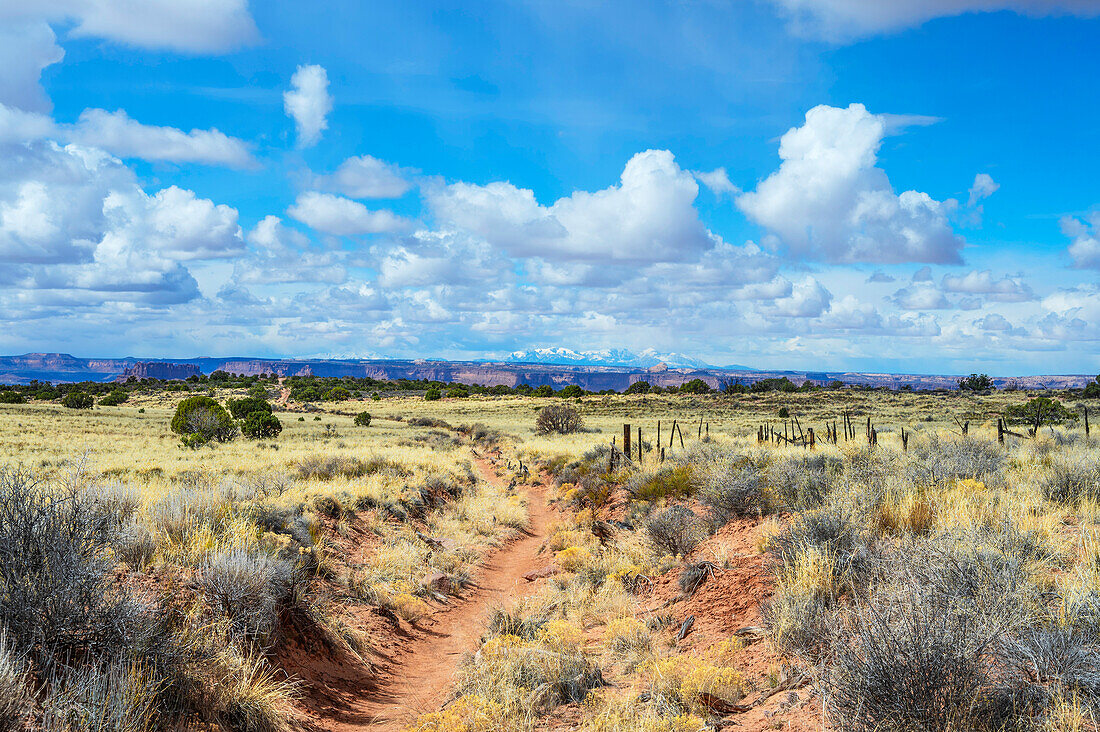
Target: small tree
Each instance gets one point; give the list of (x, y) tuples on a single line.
[(362, 419), (544, 391), (241, 408), (260, 425), (638, 387), (77, 400), (1039, 411), (432, 395), (1092, 389), (976, 382), (571, 392), (457, 392), (337, 394), (558, 418), (200, 419), (695, 386), (116, 397), (11, 397)]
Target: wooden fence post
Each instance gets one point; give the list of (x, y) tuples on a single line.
[(1000, 431), (626, 440), (810, 433), (672, 434), (904, 440), (640, 448), (700, 435), (966, 428), (1086, 421)]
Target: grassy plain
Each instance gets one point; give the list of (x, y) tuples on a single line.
[(813, 552)]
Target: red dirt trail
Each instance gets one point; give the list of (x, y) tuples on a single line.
[(418, 673)]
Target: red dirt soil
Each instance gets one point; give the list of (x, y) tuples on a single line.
[(415, 664), (730, 600)]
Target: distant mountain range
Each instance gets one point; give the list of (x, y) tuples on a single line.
[(558, 367), (607, 357)]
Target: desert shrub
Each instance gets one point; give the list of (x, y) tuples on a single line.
[(804, 481), (134, 544), (327, 467), (909, 665), (248, 590), (937, 461), (200, 419), (122, 696), (1056, 656), (58, 598), (362, 419), (801, 623), (259, 425), (1069, 480), (558, 418), (543, 391), (241, 408), (508, 622), (533, 674), (77, 400), (116, 397), (457, 392), (675, 529), (837, 530), (638, 387), (729, 491), (427, 422), (14, 693), (784, 413), (11, 397), (432, 395), (671, 481)]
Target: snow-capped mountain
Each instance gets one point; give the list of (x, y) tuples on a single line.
[(607, 357)]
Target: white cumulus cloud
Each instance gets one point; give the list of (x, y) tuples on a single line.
[(366, 177), (308, 103), (840, 20), (648, 217), (117, 133), (1085, 249), (829, 201), (191, 26), (341, 216)]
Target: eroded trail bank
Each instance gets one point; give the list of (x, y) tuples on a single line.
[(417, 674)]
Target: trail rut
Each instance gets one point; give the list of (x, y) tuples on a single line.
[(418, 676)]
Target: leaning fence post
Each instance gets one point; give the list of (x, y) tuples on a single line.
[(672, 434)]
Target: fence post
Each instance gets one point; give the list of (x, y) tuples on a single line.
[(810, 432), (641, 449), (658, 433), (904, 440), (626, 440), (966, 428), (1086, 421), (672, 434), (1000, 431)]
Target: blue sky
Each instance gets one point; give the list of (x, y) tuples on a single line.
[(825, 184)]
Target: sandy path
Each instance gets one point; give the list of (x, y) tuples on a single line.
[(419, 676)]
